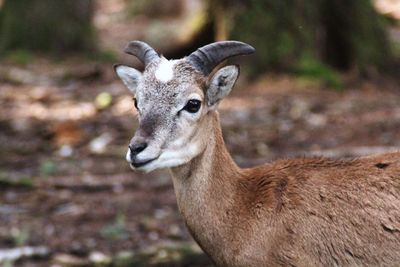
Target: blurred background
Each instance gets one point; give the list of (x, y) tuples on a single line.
[(325, 80)]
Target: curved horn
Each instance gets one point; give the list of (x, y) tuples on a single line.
[(207, 57), (144, 52)]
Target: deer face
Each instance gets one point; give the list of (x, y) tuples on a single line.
[(172, 98)]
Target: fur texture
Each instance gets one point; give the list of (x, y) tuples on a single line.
[(297, 212)]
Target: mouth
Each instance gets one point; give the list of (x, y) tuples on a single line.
[(142, 163)]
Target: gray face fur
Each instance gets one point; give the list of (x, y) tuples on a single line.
[(172, 136)]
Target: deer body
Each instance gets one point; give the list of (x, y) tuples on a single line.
[(297, 212)]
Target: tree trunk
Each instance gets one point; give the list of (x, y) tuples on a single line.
[(46, 25), (355, 35), (342, 34)]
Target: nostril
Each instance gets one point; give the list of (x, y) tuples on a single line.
[(137, 148)]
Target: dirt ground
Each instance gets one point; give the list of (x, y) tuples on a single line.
[(60, 190)]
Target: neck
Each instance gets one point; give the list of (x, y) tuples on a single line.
[(205, 188)]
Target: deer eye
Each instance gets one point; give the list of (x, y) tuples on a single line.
[(192, 106)]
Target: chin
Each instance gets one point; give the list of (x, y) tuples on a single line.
[(170, 159), (156, 166), (161, 163), (146, 168)]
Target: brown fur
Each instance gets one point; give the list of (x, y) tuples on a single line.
[(295, 212)]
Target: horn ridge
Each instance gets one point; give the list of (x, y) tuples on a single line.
[(144, 52), (206, 58)]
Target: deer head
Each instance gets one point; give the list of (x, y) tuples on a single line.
[(174, 98)]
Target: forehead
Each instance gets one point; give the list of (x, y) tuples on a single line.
[(170, 79)]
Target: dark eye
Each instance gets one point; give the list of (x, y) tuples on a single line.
[(135, 103), (192, 106)]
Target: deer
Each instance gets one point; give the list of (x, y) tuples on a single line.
[(307, 211)]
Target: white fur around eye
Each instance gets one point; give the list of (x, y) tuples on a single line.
[(195, 96)]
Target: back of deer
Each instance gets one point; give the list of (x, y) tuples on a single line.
[(320, 212)]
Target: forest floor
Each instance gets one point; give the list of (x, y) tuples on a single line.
[(65, 185)]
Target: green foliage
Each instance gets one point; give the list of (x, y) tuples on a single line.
[(155, 8), (396, 49), (22, 181), (281, 31), (7, 263), (102, 55), (140, 7), (46, 25), (356, 35), (20, 236), (116, 230), (311, 68), (173, 256), (370, 43), (124, 259), (19, 56), (106, 55), (48, 167)]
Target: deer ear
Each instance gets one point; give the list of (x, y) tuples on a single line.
[(221, 84), (129, 76)]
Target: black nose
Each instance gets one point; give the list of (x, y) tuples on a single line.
[(137, 148)]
